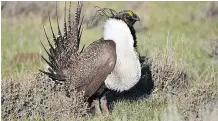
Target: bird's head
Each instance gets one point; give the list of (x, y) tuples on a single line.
[(104, 13), (128, 17)]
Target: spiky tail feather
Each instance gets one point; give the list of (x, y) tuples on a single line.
[(66, 46)]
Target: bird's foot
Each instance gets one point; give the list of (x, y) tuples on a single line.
[(95, 103), (104, 106)]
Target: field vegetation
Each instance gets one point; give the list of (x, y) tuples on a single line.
[(178, 39)]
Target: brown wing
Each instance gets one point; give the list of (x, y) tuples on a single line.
[(93, 66)]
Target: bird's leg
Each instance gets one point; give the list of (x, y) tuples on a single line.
[(95, 103), (104, 107)]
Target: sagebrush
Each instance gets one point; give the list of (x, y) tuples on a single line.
[(36, 97)]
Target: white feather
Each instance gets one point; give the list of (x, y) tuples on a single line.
[(127, 71)]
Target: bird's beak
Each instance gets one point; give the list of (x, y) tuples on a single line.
[(136, 18)]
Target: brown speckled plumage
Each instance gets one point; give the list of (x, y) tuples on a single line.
[(86, 70), (92, 66)]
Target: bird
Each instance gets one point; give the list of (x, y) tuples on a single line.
[(109, 63)]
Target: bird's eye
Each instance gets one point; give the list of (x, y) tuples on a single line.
[(134, 16)]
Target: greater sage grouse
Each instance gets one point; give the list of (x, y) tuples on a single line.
[(110, 63)]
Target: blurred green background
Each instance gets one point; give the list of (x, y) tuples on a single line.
[(184, 26)]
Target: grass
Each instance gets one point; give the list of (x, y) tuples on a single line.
[(171, 32)]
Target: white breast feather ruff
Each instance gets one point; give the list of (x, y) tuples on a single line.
[(127, 70)]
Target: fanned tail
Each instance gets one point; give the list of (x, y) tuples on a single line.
[(75, 33), (65, 47)]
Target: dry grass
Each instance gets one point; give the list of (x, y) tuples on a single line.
[(201, 96), (212, 48), (198, 103), (168, 75), (34, 97), (172, 113), (188, 99), (175, 97)]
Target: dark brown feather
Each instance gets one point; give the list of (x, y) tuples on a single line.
[(73, 35), (63, 50), (92, 67), (84, 70)]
